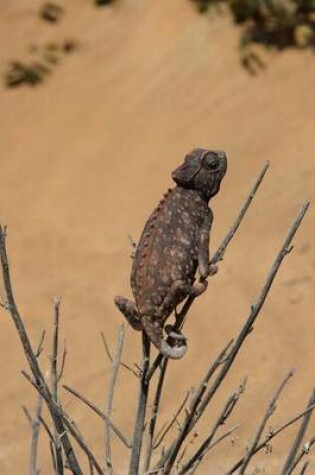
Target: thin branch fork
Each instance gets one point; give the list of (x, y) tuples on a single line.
[(124, 365), (218, 256), (305, 450), (214, 444), (269, 412), (71, 427), (225, 413), (291, 463), (34, 422), (271, 435), (166, 428), (190, 415), (41, 384), (101, 414)]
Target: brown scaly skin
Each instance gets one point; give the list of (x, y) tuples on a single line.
[(173, 246)]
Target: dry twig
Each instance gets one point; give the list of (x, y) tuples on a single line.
[(269, 412), (41, 384), (109, 403), (290, 462), (101, 414)]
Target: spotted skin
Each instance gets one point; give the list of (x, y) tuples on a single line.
[(173, 246)]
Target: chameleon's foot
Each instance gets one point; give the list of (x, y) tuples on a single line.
[(198, 288), (154, 329), (129, 311), (213, 269)]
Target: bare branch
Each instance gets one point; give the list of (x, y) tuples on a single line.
[(271, 435), (305, 450), (211, 446), (109, 402), (72, 428), (54, 381), (31, 358), (99, 413), (304, 468), (34, 422), (269, 412), (82, 444), (154, 413), (289, 463), (40, 345), (111, 358), (160, 437), (51, 443), (219, 254), (141, 410), (191, 414), (204, 448), (28, 415)]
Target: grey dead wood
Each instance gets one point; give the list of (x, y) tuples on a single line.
[(101, 414), (224, 436), (304, 468), (124, 365), (110, 396), (70, 427), (51, 443), (34, 422), (269, 412), (55, 380), (154, 414), (290, 461), (204, 447), (166, 428), (190, 415), (40, 346), (305, 450), (138, 431), (39, 379), (270, 436)]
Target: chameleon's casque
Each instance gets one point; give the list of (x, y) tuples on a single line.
[(173, 246)]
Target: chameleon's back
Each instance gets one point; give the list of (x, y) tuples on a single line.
[(167, 250)]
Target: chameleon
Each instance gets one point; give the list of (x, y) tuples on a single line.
[(173, 248)]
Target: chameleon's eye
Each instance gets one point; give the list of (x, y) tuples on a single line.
[(211, 162)]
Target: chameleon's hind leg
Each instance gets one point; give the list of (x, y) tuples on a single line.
[(129, 311), (178, 292)]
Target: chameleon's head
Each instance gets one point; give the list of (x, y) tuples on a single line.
[(202, 170)]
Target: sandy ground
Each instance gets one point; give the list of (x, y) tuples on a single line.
[(84, 159)]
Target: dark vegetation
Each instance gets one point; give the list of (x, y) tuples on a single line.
[(277, 24)]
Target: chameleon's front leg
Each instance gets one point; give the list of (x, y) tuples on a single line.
[(204, 267), (129, 311)]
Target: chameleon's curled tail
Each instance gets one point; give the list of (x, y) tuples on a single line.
[(154, 330)]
